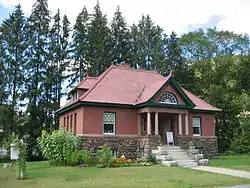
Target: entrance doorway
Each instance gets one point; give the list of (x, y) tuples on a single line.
[(166, 124)]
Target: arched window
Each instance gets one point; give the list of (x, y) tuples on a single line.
[(168, 98)]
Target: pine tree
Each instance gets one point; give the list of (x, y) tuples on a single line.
[(100, 45), (59, 54), (149, 44), (14, 43), (134, 47), (3, 80), (80, 46), (36, 66), (120, 38), (174, 60)]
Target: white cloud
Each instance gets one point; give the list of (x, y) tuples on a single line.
[(170, 15)]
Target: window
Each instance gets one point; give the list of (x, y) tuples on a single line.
[(196, 126), (71, 122), (114, 153), (64, 122), (67, 128), (168, 98), (74, 94), (75, 120), (109, 122)]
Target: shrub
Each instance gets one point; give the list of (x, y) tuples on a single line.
[(87, 157), (60, 147), (241, 140), (105, 156), (151, 159)]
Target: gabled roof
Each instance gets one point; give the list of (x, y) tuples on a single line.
[(87, 83), (127, 86)]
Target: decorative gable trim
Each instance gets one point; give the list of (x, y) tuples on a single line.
[(171, 81)]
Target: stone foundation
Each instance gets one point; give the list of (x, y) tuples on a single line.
[(125, 145), (208, 145), (148, 143), (141, 146), (130, 146)]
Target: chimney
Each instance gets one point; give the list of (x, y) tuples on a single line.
[(125, 65)]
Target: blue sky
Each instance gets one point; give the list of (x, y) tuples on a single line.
[(4, 12), (180, 16)]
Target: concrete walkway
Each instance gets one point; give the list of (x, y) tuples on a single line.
[(226, 171)]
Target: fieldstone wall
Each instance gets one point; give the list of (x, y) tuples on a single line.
[(125, 145), (148, 143), (130, 146), (208, 145)]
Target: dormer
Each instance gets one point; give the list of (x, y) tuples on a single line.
[(86, 84)]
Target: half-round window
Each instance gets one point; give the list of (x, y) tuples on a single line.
[(168, 98)]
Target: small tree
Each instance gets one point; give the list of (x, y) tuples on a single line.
[(21, 161)]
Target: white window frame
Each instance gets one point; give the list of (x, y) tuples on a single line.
[(114, 123), (196, 126), (171, 95)]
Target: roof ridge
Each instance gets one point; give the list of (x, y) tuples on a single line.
[(140, 94), (102, 76), (138, 70)]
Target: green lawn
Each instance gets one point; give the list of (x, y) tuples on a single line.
[(43, 175), (239, 162)]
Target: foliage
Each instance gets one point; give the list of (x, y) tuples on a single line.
[(123, 162), (87, 157), (22, 157), (60, 147), (241, 141), (105, 156), (151, 159)]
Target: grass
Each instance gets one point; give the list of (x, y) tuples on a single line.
[(41, 174), (238, 162)]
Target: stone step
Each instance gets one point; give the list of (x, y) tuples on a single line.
[(184, 160), (169, 163), (180, 157), (186, 163)]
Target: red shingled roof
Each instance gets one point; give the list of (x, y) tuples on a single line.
[(125, 85), (87, 83)]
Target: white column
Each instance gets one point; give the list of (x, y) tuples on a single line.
[(186, 124), (156, 124), (180, 125), (149, 123)]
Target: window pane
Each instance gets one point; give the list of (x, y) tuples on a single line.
[(196, 122), (108, 128), (196, 130)]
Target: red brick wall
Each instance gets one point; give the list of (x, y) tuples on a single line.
[(126, 120), (170, 89), (207, 123), (79, 120)]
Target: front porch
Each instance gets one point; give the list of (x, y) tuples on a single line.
[(158, 121)]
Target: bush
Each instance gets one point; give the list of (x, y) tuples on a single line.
[(105, 156), (87, 157), (241, 141), (60, 147), (151, 159)]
